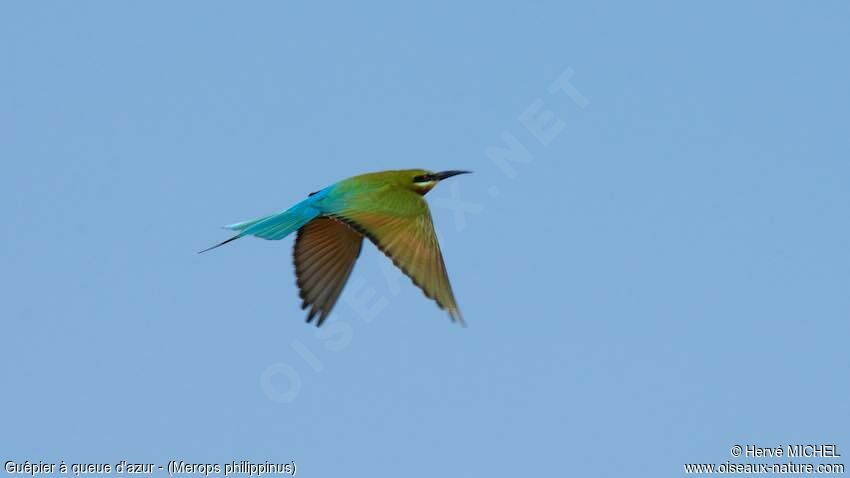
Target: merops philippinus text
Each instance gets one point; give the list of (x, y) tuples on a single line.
[(385, 207)]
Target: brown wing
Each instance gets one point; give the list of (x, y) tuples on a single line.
[(324, 254), (400, 225)]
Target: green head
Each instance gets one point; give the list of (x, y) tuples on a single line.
[(422, 181)]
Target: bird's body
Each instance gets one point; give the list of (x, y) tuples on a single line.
[(385, 207)]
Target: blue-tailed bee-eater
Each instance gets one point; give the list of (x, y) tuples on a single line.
[(385, 207)]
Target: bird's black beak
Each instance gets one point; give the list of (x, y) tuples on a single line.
[(447, 174)]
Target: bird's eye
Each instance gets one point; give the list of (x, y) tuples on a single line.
[(423, 178)]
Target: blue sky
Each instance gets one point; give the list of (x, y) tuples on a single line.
[(664, 275)]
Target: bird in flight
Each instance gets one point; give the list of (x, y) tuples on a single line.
[(385, 207)]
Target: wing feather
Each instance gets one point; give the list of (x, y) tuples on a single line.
[(399, 223), (324, 255)]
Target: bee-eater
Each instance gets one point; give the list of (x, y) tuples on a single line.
[(385, 207)]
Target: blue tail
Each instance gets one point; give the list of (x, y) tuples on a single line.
[(276, 226)]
